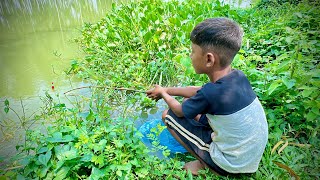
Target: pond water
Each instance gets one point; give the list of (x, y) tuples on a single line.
[(36, 42), (36, 46)]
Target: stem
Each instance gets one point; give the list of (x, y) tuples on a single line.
[(16, 114), (154, 77), (54, 72), (12, 168), (24, 115)]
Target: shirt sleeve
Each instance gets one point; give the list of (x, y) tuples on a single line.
[(195, 105)]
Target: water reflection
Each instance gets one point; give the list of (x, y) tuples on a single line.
[(36, 41)]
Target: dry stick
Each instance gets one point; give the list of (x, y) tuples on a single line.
[(115, 88), (12, 168)]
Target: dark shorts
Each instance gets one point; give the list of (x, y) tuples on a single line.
[(196, 135)]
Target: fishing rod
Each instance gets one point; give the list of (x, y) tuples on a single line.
[(106, 87)]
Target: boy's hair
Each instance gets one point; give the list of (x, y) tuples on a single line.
[(220, 35)]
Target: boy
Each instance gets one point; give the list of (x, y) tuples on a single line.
[(222, 123)]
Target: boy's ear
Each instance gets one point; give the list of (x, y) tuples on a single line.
[(210, 60)]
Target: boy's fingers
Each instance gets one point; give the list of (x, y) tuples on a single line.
[(149, 91)]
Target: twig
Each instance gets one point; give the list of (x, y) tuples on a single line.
[(23, 110), (106, 87), (12, 168), (54, 72)]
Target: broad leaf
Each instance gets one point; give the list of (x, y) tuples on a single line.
[(288, 82), (44, 158), (62, 173), (273, 87), (96, 174)]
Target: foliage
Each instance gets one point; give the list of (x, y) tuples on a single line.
[(281, 59), (146, 42), (93, 148), (90, 145)]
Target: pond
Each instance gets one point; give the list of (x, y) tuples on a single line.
[(36, 40), (36, 46)]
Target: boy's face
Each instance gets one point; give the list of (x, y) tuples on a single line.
[(198, 59)]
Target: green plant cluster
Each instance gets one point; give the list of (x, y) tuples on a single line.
[(142, 43), (147, 42), (88, 146), (283, 66)]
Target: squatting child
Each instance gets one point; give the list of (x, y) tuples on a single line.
[(222, 124)]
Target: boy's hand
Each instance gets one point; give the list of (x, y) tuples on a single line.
[(156, 92)]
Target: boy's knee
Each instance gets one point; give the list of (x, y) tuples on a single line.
[(184, 99), (164, 113)]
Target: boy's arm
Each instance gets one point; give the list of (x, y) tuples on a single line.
[(173, 104), (160, 92), (186, 92)]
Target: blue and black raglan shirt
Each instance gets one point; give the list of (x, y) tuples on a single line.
[(237, 118)]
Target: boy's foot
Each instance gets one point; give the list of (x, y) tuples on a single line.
[(194, 167)]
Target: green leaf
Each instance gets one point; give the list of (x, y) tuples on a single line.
[(100, 146), (59, 165), (282, 56), (142, 172), (42, 150), (43, 171), (72, 154), (144, 115), (147, 37), (65, 152), (299, 14), (44, 158), (86, 158), (283, 66), (288, 82), (96, 173), (98, 160), (185, 61), (19, 177), (6, 109), (6, 102), (153, 110), (177, 58), (289, 39), (68, 138), (91, 116), (156, 39), (57, 137), (307, 92), (273, 87), (49, 176), (119, 173), (311, 116), (62, 173)]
